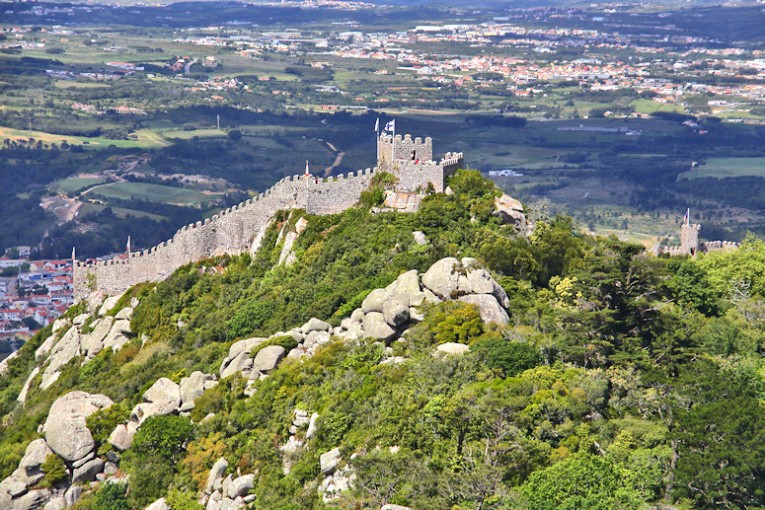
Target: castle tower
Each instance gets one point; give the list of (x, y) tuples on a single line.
[(411, 161), (400, 149), (689, 238)]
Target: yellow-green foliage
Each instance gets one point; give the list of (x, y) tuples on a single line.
[(202, 454), (451, 321)]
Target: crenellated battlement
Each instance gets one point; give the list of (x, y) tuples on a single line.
[(720, 245), (234, 229), (689, 242), (411, 161)]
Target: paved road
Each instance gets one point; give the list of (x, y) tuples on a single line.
[(187, 67)]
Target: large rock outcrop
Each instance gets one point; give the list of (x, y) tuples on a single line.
[(510, 212), (164, 397), (66, 432)]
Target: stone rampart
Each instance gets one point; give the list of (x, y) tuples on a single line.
[(720, 245), (230, 231), (238, 229)]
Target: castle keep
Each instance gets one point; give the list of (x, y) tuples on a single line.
[(237, 229), (411, 161)]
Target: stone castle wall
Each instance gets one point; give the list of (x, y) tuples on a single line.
[(414, 175), (720, 245), (231, 231), (238, 229)]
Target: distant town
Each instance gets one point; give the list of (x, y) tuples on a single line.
[(33, 293)]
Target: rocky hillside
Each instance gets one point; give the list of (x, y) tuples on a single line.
[(451, 358)]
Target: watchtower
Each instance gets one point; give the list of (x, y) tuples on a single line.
[(411, 161), (390, 149), (689, 238)]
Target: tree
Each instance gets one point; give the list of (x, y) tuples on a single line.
[(582, 481), (162, 437), (111, 496), (507, 358)]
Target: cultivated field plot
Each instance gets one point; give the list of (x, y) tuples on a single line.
[(76, 184), (142, 139), (182, 134), (728, 167), (120, 212), (154, 193)]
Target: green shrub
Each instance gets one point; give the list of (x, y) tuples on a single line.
[(111, 496), (384, 180), (285, 341), (450, 321), (102, 423), (54, 470), (373, 197), (182, 500), (249, 318), (333, 427), (507, 358), (149, 481), (162, 437), (582, 481)]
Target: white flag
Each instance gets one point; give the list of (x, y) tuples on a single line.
[(377, 125), (73, 256), (128, 244), (390, 126)]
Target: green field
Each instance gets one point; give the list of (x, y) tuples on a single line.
[(80, 85), (154, 193), (76, 184), (728, 167), (142, 139), (120, 212), (650, 106), (182, 134)]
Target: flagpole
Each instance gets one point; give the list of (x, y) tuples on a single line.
[(393, 147), (74, 283)]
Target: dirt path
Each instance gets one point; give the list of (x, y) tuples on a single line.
[(64, 209), (339, 155)]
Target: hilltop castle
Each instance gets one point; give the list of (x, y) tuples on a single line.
[(239, 229), (689, 241)]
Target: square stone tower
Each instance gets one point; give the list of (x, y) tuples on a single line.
[(411, 161), (404, 149), (689, 238)]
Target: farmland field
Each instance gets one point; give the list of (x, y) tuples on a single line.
[(120, 212), (76, 184), (143, 139), (154, 193), (728, 167), (182, 134)]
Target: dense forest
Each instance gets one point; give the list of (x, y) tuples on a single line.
[(622, 380)]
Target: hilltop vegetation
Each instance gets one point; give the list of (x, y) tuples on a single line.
[(622, 380)]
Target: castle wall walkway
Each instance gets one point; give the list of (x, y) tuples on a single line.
[(231, 231)]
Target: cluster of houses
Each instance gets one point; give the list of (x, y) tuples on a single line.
[(33, 293)]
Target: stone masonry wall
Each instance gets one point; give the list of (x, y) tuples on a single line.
[(407, 149), (230, 231), (233, 230), (413, 175)]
